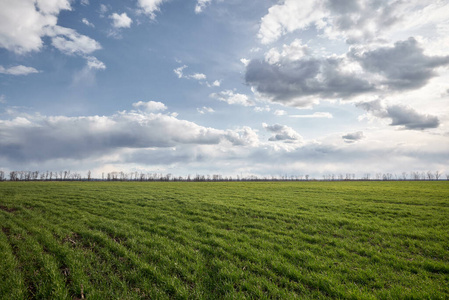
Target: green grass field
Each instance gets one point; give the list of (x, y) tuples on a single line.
[(233, 240)]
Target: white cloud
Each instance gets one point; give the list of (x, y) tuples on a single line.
[(233, 98), (205, 110), (71, 42), (94, 63), (150, 106), (280, 112), (85, 2), (87, 23), (354, 21), (23, 23), (2, 99), (198, 76), (201, 5), (150, 7), (52, 6), (245, 61), (293, 52), (289, 16), (179, 71), (120, 21), (18, 70)]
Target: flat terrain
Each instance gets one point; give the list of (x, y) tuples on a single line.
[(212, 240)]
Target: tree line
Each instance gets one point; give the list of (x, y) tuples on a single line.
[(140, 176)]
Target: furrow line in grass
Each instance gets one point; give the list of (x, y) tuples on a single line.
[(12, 284), (88, 270), (169, 285), (39, 267), (69, 264), (73, 264)]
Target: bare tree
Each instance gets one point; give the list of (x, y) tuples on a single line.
[(437, 175), (13, 176)]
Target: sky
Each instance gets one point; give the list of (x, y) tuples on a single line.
[(264, 88)]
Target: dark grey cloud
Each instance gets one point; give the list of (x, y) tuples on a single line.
[(296, 82), (404, 65), (353, 137), (400, 115), (289, 81), (411, 119)]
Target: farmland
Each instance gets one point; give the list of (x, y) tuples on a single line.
[(209, 240)]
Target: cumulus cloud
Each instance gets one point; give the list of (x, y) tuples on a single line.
[(150, 7), (289, 16), (293, 82), (120, 21), (294, 77), (230, 97), (23, 23), (400, 115), (282, 133), (41, 138), (353, 137), (354, 21), (295, 51), (18, 70), (403, 66), (150, 106), (71, 42)]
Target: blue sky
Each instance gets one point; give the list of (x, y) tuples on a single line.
[(267, 88)]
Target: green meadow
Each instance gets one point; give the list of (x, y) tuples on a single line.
[(224, 240)]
